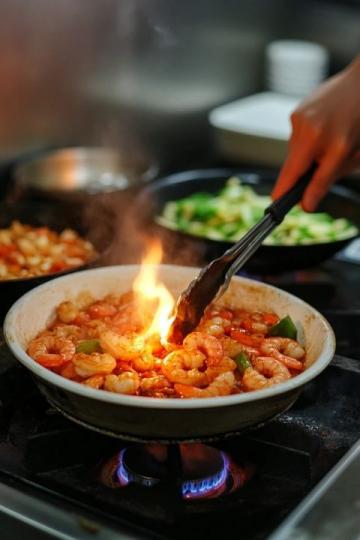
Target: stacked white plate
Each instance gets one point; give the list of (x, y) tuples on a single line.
[(254, 129), (295, 67)]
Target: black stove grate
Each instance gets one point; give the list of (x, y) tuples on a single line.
[(42, 449), (48, 456)]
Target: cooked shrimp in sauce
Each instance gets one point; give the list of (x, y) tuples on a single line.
[(104, 346)]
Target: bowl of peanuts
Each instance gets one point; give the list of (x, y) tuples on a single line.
[(234, 372), (41, 240)]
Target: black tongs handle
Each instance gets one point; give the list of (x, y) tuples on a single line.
[(279, 208), (215, 277), (273, 216)]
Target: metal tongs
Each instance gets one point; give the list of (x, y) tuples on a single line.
[(214, 279)]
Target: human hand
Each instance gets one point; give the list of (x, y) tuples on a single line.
[(325, 129)]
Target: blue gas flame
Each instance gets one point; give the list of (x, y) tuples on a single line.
[(121, 471), (193, 488), (190, 488)]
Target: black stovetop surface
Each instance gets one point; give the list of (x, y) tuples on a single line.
[(48, 456)]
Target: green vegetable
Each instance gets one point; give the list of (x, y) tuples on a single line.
[(229, 214), (284, 328), (242, 361), (89, 346)]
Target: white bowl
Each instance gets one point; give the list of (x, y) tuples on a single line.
[(163, 419)]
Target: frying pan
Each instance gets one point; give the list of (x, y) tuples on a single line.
[(57, 217), (340, 202), (155, 419)]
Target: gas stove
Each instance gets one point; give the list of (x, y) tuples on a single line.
[(58, 480)]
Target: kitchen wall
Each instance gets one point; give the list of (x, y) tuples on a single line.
[(144, 73)]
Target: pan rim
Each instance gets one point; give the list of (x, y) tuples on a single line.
[(83, 391)]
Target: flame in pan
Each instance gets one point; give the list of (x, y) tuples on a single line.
[(150, 291)]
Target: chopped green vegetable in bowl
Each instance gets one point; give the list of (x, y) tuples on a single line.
[(284, 328), (228, 215), (89, 346), (242, 362)]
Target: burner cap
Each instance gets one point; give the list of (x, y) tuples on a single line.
[(151, 461), (201, 471)]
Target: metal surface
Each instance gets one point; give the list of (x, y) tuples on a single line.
[(331, 510), (91, 170), (39, 520)]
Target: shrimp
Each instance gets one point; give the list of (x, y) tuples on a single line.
[(226, 364), (232, 348), (99, 310), (129, 348), (222, 385), (144, 362), (96, 381), (125, 347), (156, 383), (51, 351), (68, 371), (199, 342), (68, 331), (95, 328), (87, 365), (265, 372), (277, 346), (215, 326), (128, 319), (118, 300), (192, 364), (67, 312), (294, 349), (251, 352), (127, 382), (259, 327), (182, 367), (211, 328)]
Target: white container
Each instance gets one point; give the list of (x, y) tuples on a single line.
[(295, 67), (254, 129)]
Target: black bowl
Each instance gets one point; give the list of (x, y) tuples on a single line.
[(188, 249), (92, 223)]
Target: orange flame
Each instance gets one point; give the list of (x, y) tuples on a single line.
[(148, 289)]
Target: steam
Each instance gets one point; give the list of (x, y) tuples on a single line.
[(133, 230), (119, 224)]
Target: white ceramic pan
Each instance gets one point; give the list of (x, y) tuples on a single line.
[(142, 418)]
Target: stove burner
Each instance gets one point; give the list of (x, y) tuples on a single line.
[(200, 471), (206, 486)]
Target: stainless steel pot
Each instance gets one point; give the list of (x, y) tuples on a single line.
[(80, 169), (142, 418)]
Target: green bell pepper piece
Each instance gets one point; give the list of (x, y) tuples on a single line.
[(242, 362), (284, 328), (89, 346)]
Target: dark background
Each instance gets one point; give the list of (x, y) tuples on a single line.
[(142, 74)]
